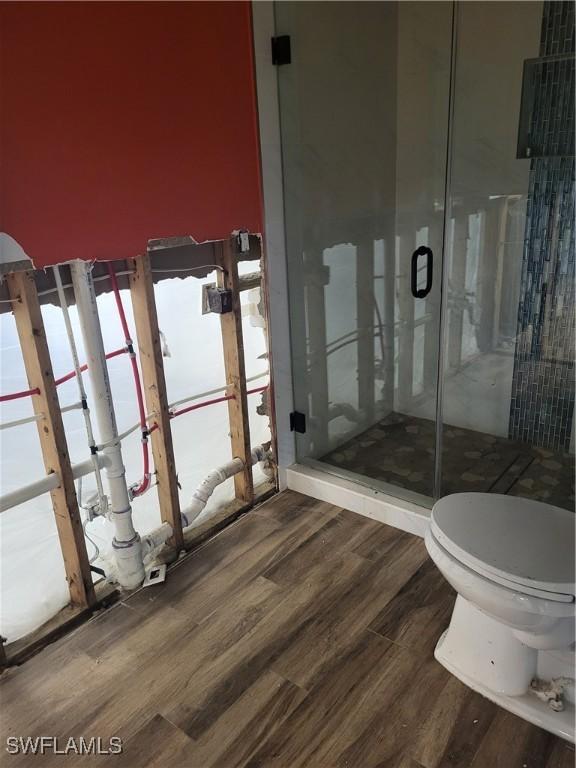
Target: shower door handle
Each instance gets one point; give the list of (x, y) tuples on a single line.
[(420, 293)]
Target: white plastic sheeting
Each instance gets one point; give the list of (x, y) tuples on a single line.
[(32, 579)]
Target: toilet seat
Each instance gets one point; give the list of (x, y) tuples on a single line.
[(519, 543), (437, 550)]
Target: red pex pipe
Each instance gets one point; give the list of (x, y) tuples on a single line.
[(201, 405), (17, 395), (256, 389), (61, 380), (84, 367), (109, 356), (212, 402), (145, 483)]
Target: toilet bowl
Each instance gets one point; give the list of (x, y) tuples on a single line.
[(511, 562)]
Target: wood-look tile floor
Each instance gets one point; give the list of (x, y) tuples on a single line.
[(302, 635)]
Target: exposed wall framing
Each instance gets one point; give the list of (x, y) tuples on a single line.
[(139, 275), (233, 345), (154, 384), (51, 433)]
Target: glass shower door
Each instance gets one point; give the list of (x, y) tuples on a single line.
[(507, 392), (364, 104)]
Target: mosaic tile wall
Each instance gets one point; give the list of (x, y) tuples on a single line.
[(542, 404)]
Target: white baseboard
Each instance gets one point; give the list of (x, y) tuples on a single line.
[(357, 498)]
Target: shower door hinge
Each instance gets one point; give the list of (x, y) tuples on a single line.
[(281, 51), (297, 422)]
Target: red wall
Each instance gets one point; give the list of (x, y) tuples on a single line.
[(123, 122)]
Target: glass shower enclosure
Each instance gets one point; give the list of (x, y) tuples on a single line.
[(428, 159)]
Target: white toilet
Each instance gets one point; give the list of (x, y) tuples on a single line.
[(511, 561)]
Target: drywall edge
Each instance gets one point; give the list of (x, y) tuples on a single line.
[(274, 232)]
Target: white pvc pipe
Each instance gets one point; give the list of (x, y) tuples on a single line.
[(126, 543), (102, 500), (19, 422), (156, 538), (46, 484), (213, 479), (159, 536), (206, 489), (30, 491), (87, 466), (37, 417)]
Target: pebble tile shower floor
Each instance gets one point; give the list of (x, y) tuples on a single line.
[(400, 450)]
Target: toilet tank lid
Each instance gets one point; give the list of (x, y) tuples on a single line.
[(525, 541)]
